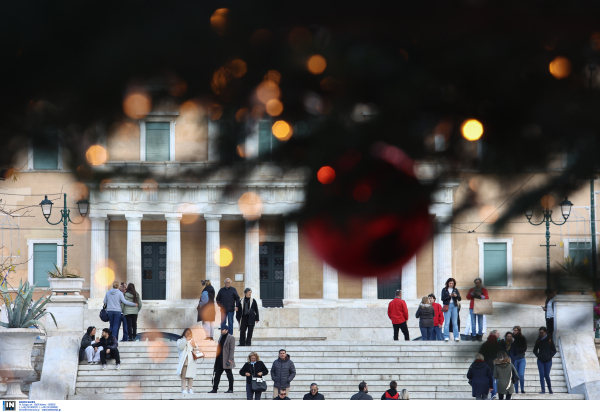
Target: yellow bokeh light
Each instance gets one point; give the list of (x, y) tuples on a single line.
[(96, 155), (560, 67), (137, 105), (282, 130), (250, 204), (316, 64), (274, 107), (223, 257), (472, 129), (104, 277)]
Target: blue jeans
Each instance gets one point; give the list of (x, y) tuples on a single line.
[(229, 318), (114, 320), (476, 319), (125, 334), (250, 392), (439, 333), (544, 369), (520, 367), (427, 333), (451, 316), (495, 390)]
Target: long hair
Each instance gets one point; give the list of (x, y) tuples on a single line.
[(207, 282), (451, 280), (404, 395), (184, 332), (253, 354), (89, 330), (519, 329), (131, 289), (501, 357)]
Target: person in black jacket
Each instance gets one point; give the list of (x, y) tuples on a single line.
[(281, 396), (228, 300), (489, 349), (254, 368), (509, 346), (86, 348), (247, 317), (544, 350), (363, 393), (109, 350), (451, 297), (206, 309), (314, 394), (480, 378), (520, 363)]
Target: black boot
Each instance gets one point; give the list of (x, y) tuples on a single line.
[(213, 391), (479, 338)]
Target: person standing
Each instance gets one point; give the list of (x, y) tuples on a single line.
[(520, 363), (477, 292), (508, 346), (283, 373), (398, 314), (489, 349), (363, 393), (228, 299), (224, 361), (131, 312), (503, 374), (314, 394), (254, 368), (108, 347), (113, 300), (451, 297), (206, 309), (425, 314), (123, 320), (480, 378), (544, 350), (186, 367), (247, 317), (438, 319), (549, 309)]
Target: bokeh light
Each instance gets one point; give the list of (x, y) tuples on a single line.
[(326, 175), (282, 130), (316, 64), (149, 185), (250, 204), (223, 257), (273, 75), (158, 351), (267, 90), (274, 107), (189, 213), (238, 68), (488, 214), (104, 277), (219, 80), (560, 67), (362, 192), (218, 21), (96, 155), (472, 129), (137, 104), (547, 202), (78, 191), (178, 88)]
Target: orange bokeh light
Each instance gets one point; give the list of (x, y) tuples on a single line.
[(273, 75), (136, 105), (96, 155), (326, 175), (560, 67), (79, 191), (547, 202), (282, 130), (219, 80), (487, 214), (149, 185), (267, 90), (316, 64), (274, 107), (157, 351), (250, 204), (362, 192), (218, 20), (223, 257), (237, 67)]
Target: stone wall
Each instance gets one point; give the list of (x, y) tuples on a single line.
[(117, 249), (311, 270), (233, 237), (37, 361), (193, 257)]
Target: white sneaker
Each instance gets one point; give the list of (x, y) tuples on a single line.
[(103, 367), (184, 391), (456, 340), (89, 363), (190, 391), (119, 367), (446, 340)]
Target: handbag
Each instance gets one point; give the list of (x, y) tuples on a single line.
[(483, 307), (445, 308), (514, 378), (197, 354), (259, 384), (104, 314)]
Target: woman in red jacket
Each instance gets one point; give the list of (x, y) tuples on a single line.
[(398, 314), (477, 293), (438, 319)]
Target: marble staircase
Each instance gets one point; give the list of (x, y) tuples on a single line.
[(428, 370)]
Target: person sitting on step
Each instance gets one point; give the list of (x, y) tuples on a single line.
[(108, 347)]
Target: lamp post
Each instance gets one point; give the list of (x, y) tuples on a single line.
[(82, 205), (565, 210)]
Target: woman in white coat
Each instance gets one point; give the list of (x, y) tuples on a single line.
[(186, 368)]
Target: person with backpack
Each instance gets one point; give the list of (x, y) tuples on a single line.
[(253, 369), (392, 393), (131, 312), (206, 309), (480, 378), (544, 350), (505, 375)]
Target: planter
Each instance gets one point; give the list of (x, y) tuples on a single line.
[(66, 285), (15, 358), (573, 284)]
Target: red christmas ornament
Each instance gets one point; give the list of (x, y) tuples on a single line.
[(373, 218)]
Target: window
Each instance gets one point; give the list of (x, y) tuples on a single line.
[(495, 261), (157, 139), (43, 254), (579, 255), (44, 158)]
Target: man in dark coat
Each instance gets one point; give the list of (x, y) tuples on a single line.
[(109, 350), (228, 299), (314, 394), (489, 349), (283, 372), (362, 394), (480, 378), (247, 317), (281, 396), (224, 362)]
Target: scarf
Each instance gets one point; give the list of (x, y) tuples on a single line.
[(247, 305), (478, 291)]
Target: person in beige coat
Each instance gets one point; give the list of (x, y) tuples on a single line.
[(225, 360), (186, 368)]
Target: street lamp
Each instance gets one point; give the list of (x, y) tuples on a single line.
[(82, 205), (565, 210)]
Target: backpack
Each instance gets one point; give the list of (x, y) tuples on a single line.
[(389, 397)]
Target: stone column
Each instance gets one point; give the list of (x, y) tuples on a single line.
[(173, 256), (252, 275), (409, 280), (213, 243), (330, 282), (442, 257), (291, 269), (369, 287), (134, 250), (98, 255)]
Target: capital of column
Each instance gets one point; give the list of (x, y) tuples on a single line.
[(212, 217), (173, 216), (130, 217), (98, 216)]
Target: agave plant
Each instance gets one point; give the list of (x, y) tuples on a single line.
[(23, 313), (61, 273)]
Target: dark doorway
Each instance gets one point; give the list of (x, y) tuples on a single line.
[(154, 270), (387, 287), (271, 256)]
